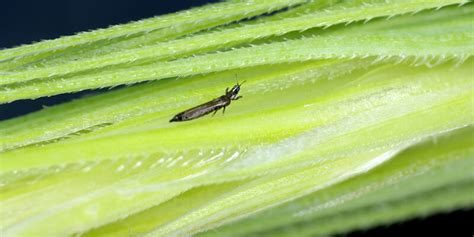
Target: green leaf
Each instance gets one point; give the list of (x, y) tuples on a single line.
[(433, 175), (338, 129)]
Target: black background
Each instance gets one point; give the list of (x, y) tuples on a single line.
[(23, 22)]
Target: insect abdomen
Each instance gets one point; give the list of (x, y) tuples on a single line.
[(201, 110)]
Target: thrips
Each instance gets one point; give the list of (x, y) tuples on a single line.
[(211, 106)]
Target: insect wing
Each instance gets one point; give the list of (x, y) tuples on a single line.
[(201, 110)]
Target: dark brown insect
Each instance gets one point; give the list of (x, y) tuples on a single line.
[(211, 106)]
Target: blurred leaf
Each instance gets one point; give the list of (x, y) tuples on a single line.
[(340, 128)]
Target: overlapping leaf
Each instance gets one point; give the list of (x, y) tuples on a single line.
[(333, 122)]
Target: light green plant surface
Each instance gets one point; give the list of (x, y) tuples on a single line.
[(339, 128)]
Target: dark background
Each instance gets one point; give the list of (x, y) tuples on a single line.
[(24, 22)]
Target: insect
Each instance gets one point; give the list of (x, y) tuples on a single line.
[(211, 106)]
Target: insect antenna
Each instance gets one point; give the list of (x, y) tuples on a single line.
[(237, 82)]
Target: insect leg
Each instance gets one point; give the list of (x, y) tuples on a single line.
[(223, 110), (215, 111), (238, 97), (227, 90)]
